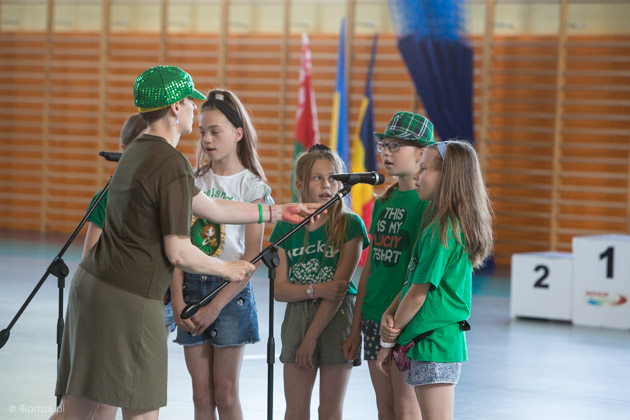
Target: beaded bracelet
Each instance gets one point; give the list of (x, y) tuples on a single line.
[(387, 345), (260, 213)]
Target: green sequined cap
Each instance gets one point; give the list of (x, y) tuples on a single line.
[(161, 86)]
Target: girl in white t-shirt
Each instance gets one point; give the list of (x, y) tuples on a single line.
[(227, 168)]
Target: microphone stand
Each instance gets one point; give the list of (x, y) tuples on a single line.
[(59, 269), (270, 258)]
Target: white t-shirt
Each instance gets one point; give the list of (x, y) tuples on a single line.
[(227, 242)]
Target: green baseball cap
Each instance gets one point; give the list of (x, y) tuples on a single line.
[(406, 125), (161, 86)]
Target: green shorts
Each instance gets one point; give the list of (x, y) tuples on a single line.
[(328, 351)]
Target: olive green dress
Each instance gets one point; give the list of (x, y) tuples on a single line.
[(114, 342)]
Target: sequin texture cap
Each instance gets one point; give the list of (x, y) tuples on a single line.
[(161, 86)]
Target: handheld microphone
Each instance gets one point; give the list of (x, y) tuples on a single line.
[(372, 178), (111, 156)]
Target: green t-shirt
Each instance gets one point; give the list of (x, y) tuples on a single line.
[(449, 272), (98, 215), (394, 229), (312, 263)]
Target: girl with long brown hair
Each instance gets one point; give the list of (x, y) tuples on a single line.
[(214, 339), (429, 318), (314, 277)]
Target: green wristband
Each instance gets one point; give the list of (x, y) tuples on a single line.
[(260, 213)]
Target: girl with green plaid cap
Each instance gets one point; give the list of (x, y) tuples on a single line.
[(395, 225), (428, 318)]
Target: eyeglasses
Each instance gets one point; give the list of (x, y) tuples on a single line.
[(393, 146)]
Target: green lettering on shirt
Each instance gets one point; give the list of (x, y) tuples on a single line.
[(214, 193)]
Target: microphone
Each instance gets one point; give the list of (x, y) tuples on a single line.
[(111, 156), (372, 178)]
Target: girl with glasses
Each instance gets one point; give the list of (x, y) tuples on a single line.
[(395, 226)]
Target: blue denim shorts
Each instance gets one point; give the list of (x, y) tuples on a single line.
[(169, 318), (427, 373), (236, 325)]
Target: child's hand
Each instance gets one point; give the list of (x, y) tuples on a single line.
[(388, 332), (383, 360), (331, 290), (204, 318), (304, 354), (178, 306), (352, 346)]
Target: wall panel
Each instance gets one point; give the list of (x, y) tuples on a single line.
[(60, 105)]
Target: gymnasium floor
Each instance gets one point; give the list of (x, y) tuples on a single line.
[(518, 369)]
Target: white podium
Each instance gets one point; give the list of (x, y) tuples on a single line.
[(540, 285), (601, 281)]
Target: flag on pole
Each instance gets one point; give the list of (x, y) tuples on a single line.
[(306, 124), (364, 151), (339, 117)]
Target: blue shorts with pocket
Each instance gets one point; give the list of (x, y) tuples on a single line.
[(236, 325)]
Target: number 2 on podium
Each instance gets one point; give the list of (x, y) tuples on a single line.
[(539, 282)]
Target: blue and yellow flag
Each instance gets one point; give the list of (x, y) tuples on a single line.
[(339, 117), (364, 151)]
